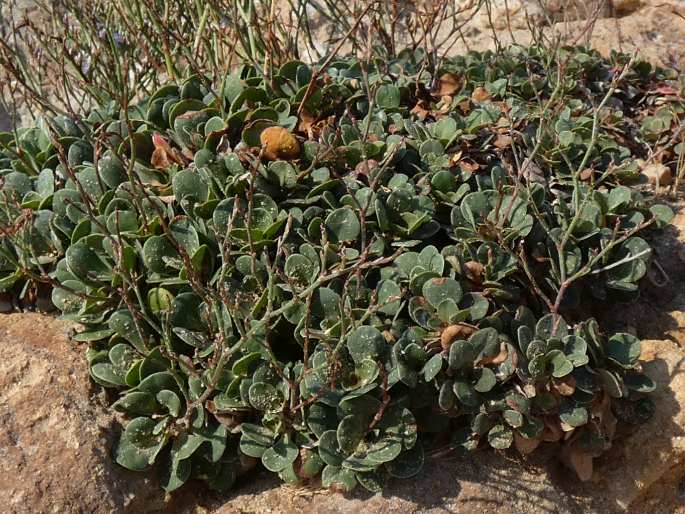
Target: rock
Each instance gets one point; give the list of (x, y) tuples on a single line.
[(573, 10), (279, 143), (656, 30), (654, 27), (55, 436), (656, 449), (658, 174), (510, 14), (624, 7)]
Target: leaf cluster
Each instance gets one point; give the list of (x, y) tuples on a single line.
[(337, 270)]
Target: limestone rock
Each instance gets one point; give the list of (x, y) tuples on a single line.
[(510, 14), (657, 448), (574, 10), (55, 436)]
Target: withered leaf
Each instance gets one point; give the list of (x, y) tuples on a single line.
[(525, 445), (480, 94), (454, 332), (448, 84)]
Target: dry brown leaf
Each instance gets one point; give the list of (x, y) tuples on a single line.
[(496, 359), (505, 107), (420, 110), (448, 85), (164, 155), (666, 89), (565, 386), (445, 106), (480, 94), (658, 174), (159, 159), (525, 445), (529, 390), (469, 166), (586, 174), (581, 463), (365, 167), (567, 429), (473, 271), (306, 123), (552, 431), (388, 336), (454, 160), (532, 172), (502, 141), (454, 332)]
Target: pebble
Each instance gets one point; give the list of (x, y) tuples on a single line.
[(658, 174)]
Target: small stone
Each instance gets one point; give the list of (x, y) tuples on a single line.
[(58, 466), (658, 174), (279, 143)]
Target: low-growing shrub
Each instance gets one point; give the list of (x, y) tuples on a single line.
[(338, 270)]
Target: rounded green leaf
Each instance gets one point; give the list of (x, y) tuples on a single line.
[(125, 326), (264, 396), (188, 185), (408, 464), (624, 349), (329, 448), (486, 380), (343, 225), (277, 457), (388, 297), (466, 394), (365, 342), (350, 433), (137, 403), (300, 268), (159, 299), (561, 366), (500, 437), (388, 96), (462, 355), (340, 479), (157, 254), (436, 290), (432, 367), (139, 445)]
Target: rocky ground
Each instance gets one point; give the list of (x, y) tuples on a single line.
[(56, 434), (655, 28)]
